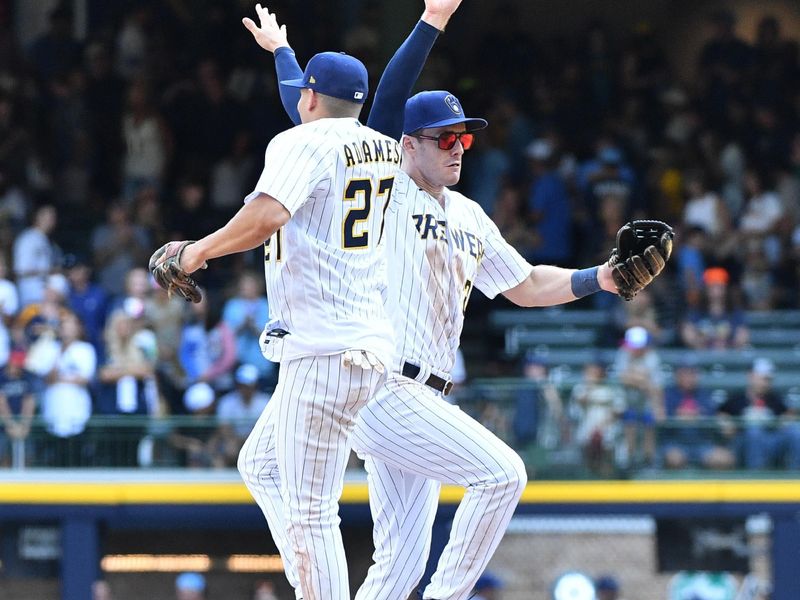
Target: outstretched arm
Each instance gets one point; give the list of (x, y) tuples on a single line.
[(548, 286), (404, 68), (272, 37)]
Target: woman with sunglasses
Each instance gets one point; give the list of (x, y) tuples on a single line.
[(439, 244)]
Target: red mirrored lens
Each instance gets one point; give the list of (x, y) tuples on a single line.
[(448, 139)]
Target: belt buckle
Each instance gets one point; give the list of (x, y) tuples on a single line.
[(448, 387)]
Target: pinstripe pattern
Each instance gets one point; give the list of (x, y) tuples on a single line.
[(430, 269), (324, 277), (293, 463), (325, 294), (410, 433), (403, 518), (411, 438)]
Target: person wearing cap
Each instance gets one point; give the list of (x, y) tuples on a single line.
[(318, 211), (190, 586), (237, 412), (638, 369), (760, 423), (17, 403), (439, 244), (718, 323)]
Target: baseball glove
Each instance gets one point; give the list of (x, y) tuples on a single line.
[(165, 265), (643, 249)]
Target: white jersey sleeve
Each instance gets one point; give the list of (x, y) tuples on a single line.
[(294, 165), (501, 267)]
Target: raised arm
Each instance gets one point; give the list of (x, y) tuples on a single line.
[(404, 68), (272, 37)]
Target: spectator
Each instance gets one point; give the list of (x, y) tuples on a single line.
[(704, 209), (67, 404), (192, 440), (190, 586), (9, 297), (690, 440), (488, 587), (762, 214), (606, 588), (35, 256), (148, 142), (56, 51), (538, 406), (237, 412), (231, 176), (549, 207), (40, 323), (717, 324), (18, 393), (767, 432), (638, 369), (597, 406), (208, 347), (246, 314), (128, 372), (86, 299), (509, 217), (118, 245), (691, 265), (609, 191)]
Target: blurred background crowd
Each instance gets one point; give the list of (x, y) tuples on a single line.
[(152, 127)]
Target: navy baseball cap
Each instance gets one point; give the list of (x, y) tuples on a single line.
[(334, 74), (436, 109)]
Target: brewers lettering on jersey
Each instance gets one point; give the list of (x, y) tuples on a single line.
[(438, 246)]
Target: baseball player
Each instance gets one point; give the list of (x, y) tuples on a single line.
[(439, 245), (318, 204)]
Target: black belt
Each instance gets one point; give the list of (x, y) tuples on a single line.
[(440, 385)]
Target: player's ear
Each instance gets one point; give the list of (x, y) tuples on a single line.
[(408, 143), (313, 100)]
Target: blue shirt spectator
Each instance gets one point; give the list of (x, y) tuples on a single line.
[(87, 300), (549, 207), (246, 314)]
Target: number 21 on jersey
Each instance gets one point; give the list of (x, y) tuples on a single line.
[(358, 195)]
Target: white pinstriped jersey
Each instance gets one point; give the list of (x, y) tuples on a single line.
[(435, 256), (323, 268)]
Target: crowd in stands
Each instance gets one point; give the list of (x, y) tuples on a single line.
[(147, 131)]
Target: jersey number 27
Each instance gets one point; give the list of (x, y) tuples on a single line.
[(359, 192)]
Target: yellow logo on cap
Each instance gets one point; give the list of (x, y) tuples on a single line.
[(312, 80)]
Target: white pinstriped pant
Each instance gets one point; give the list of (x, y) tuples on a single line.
[(293, 463), (412, 439)]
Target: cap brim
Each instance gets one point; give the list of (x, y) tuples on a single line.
[(471, 124), (295, 83)]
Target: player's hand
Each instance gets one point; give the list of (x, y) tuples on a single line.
[(270, 36), (438, 12)]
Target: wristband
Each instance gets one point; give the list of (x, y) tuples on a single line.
[(584, 282)]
